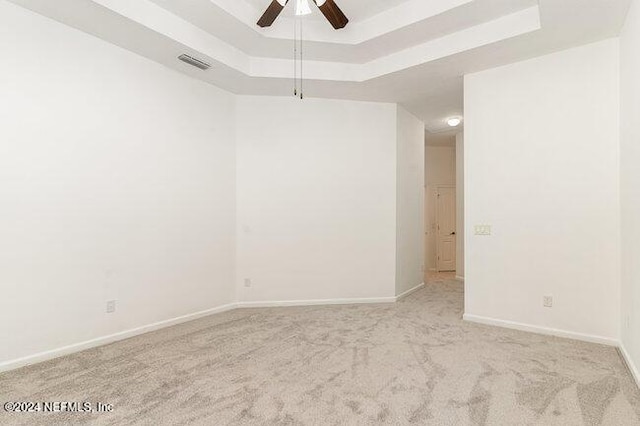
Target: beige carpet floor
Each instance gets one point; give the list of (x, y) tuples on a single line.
[(414, 362)]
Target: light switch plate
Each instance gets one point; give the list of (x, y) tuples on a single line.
[(483, 229)]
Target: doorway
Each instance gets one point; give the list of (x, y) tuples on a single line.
[(445, 235), (442, 242)]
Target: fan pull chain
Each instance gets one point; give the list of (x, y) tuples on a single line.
[(301, 63), (295, 57)]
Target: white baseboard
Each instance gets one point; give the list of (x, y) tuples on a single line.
[(408, 292), (100, 341), (630, 364), (104, 340), (318, 302), (459, 278), (541, 330)]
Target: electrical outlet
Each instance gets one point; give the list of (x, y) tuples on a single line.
[(482, 230), (247, 282), (111, 306), (548, 301)]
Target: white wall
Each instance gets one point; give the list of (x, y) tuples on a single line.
[(460, 205), (441, 165), (116, 182), (542, 167), (316, 199), (440, 169), (410, 259), (630, 185)]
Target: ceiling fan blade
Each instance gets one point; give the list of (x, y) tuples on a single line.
[(332, 12), (271, 14)]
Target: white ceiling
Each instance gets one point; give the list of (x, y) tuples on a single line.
[(413, 52)]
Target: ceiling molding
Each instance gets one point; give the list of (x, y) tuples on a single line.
[(162, 21), (414, 52)]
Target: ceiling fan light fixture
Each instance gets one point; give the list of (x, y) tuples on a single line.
[(329, 9), (302, 8)]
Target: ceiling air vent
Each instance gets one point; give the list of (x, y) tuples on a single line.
[(195, 62)]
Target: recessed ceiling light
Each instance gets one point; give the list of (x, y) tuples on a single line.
[(454, 121)]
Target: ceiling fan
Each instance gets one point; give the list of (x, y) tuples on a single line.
[(329, 9)]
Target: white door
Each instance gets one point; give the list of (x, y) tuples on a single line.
[(446, 228)]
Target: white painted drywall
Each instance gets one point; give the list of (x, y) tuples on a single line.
[(316, 199), (410, 258), (630, 184), (441, 165), (460, 229), (542, 168), (440, 169), (116, 182)]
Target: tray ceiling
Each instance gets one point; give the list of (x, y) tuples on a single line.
[(413, 52)]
